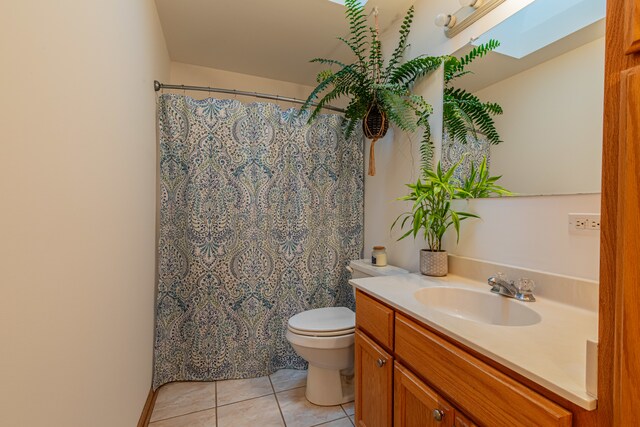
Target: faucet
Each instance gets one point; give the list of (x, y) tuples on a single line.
[(522, 291)]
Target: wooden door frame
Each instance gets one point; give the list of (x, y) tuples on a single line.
[(619, 266)]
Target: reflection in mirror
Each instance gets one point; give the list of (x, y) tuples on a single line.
[(547, 76)]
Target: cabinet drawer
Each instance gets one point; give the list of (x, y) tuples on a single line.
[(375, 318), (473, 386)]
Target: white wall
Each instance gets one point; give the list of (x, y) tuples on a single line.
[(531, 232), (77, 208), (525, 232), (552, 124)]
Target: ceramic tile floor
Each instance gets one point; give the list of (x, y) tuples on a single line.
[(276, 400)]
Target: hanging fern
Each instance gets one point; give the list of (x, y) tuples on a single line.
[(367, 81), (464, 112)]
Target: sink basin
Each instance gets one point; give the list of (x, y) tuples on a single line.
[(477, 306)]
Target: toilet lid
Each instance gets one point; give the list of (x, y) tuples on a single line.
[(328, 321)]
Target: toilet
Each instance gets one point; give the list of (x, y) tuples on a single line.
[(324, 337)]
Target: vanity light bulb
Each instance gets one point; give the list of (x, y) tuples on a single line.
[(444, 20)]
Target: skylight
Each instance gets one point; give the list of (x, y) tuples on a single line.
[(542, 23)]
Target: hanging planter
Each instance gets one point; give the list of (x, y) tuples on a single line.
[(379, 94), (375, 126)]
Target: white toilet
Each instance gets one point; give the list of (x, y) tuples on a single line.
[(324, 338)]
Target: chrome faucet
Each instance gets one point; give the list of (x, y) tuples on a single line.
[(523, 290)]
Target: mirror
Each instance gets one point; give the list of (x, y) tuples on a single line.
[(547, 75)]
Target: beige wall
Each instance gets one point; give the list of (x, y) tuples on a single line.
[(77, 208), (530, 232), (186, 74)]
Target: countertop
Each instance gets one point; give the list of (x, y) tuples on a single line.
[(551, 353)]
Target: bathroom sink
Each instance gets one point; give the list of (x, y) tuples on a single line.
[(477, 306)]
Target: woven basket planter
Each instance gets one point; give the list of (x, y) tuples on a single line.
[(375, 125)]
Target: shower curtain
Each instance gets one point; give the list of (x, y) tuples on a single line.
[(260, 213)]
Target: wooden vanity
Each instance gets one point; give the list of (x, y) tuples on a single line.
[(408, 374)]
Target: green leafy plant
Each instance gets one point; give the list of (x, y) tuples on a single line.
[(464, 112), (369, 83), (478, 184), (432, 212)]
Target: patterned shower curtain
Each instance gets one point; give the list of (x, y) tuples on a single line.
[(259, 215)]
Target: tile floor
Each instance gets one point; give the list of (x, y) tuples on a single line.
[(276, 400)]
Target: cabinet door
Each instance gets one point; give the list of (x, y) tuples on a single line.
[(417, 405), (462, 421), (374, 383)]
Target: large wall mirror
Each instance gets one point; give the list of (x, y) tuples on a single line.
[(547, 75)]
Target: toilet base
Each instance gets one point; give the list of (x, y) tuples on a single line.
[(329, 387)]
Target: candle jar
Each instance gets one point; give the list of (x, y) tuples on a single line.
[(379, 256)]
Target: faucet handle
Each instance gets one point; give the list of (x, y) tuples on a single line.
[(526, 285)]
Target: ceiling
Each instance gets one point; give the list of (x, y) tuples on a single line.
[(267, 38)]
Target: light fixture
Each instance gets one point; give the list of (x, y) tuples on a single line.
[(471, 11), (471, 3), (444, 20)]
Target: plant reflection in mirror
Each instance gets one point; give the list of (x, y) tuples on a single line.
[(463, 111)]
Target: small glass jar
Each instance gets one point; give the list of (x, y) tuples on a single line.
[(379, 256)]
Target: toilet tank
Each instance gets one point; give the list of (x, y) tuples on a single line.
[(363, 268)]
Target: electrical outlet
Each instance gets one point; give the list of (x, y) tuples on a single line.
[(593, 224), (580, 221)]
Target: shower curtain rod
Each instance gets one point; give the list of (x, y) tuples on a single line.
[(157, 86)]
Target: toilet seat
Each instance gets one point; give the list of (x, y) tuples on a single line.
[(322, 333), (323, 322)]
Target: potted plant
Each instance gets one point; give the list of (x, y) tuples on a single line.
[(379, 93), (432, 213)]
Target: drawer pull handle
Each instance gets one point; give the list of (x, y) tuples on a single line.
[(438, 415), (381, 363)]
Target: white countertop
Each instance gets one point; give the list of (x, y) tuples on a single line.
[(551, 353)]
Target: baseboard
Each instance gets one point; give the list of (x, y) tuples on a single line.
[(148, 409)]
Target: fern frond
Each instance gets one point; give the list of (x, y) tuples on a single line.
[(340, 79), (493, 108), (407, 73), (426, 145), (454, 65), (328, 62), (355, 111), (375, 56), (398, 54), (398, 110), (356, 51), (323, 75), (357, 28), (479, 52), (476, 115)]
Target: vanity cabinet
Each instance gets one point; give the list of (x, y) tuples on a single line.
[(407, 375)]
